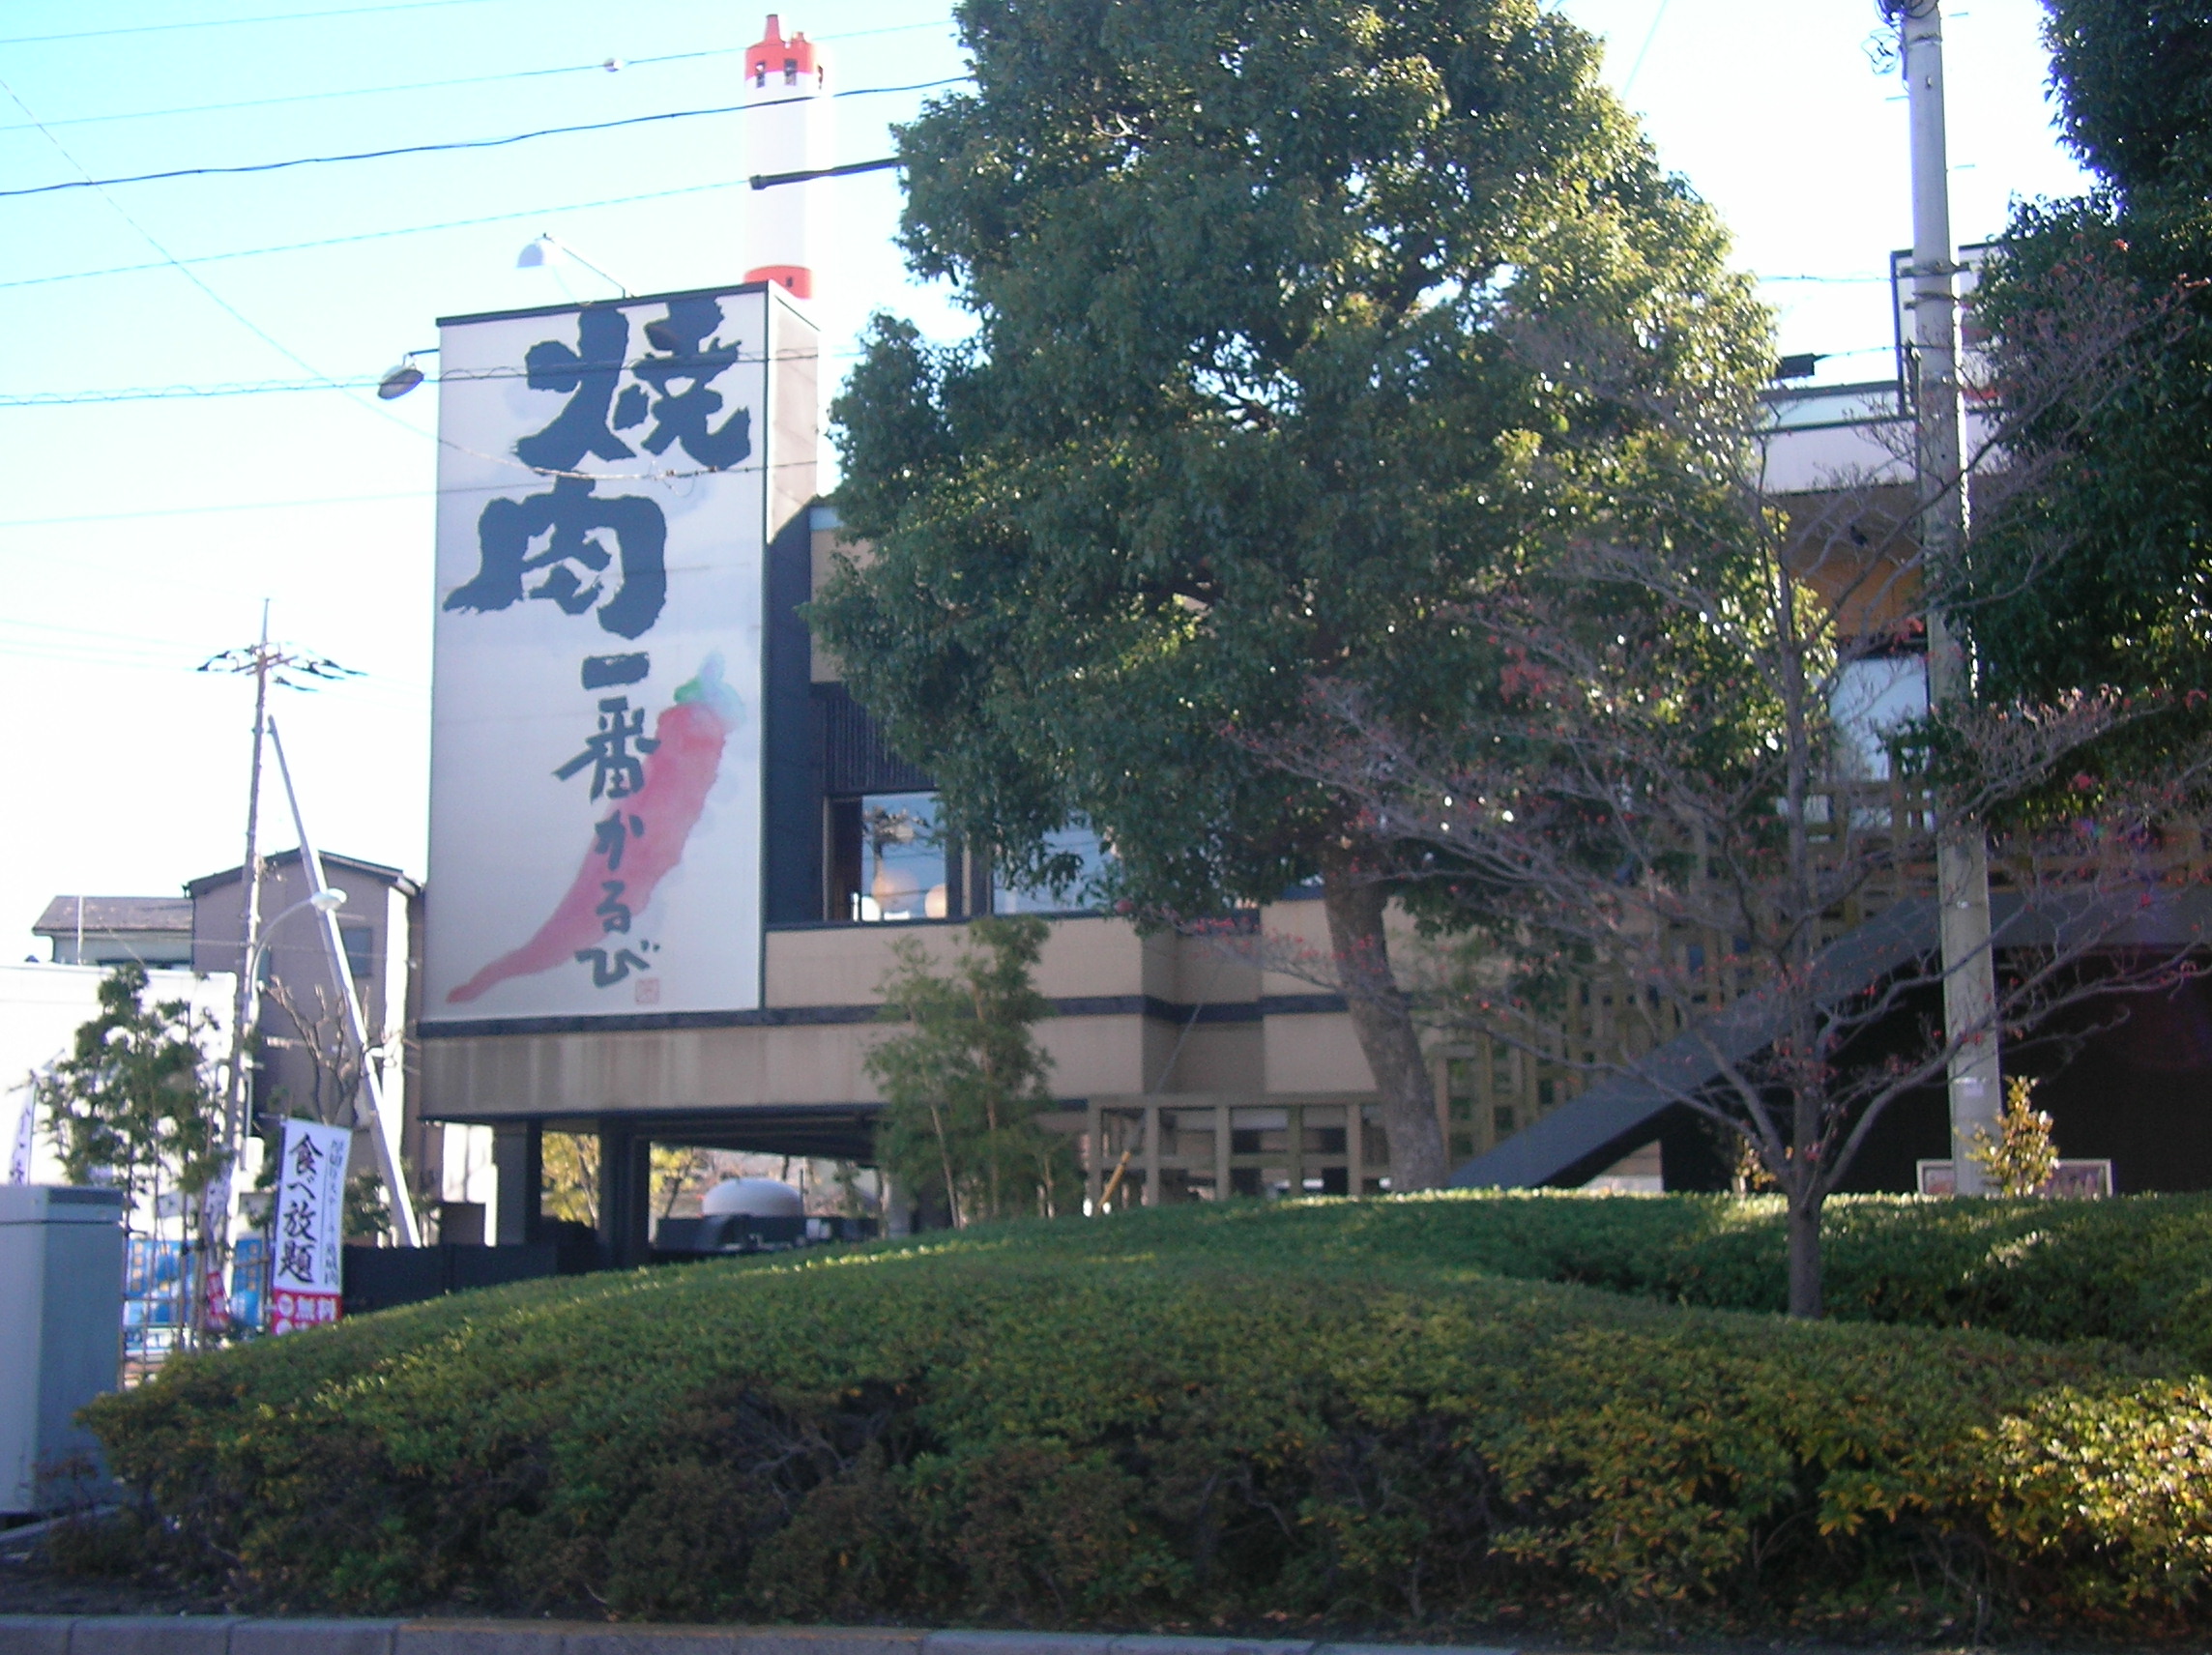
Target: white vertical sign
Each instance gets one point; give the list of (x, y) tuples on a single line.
[(307, 1275), (595, 748)]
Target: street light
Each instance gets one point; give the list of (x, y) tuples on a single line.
[(326, 901), (549, 251)]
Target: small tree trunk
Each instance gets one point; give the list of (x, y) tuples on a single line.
[(1805, 1297), (1383, 1022)]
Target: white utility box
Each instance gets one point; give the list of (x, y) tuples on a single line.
[(61, 1323)]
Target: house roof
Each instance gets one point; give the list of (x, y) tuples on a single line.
[(108, 916), (391, 875)]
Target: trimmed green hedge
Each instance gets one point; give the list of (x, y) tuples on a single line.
[(2138, 1269), (1178, 1425)]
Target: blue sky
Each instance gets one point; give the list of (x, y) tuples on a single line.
[(139, 537)]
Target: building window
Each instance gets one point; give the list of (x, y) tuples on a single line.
[(358, 941), (1089, 854), (891, 860)]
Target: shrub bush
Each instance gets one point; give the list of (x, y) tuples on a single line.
[(1090, 1425), (2138, 1269)]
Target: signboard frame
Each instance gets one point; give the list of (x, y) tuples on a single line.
[(723, 456), (307, 1252)]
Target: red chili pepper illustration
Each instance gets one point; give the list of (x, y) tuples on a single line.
[(634, 849)]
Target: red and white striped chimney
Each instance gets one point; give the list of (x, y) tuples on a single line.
[(787, 92)]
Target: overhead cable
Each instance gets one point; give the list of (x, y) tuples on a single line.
[(462, 143), (601, 67), (235, 22), (380, 234), (272, 386)]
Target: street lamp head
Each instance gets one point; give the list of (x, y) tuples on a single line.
[(399, 381), (543, 250), (326, 901)]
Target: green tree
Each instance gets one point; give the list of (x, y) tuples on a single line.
[(1248, 400), (2023, 1157), (962, 1089), (136, 1101), (571, 1178), (2102, 570)]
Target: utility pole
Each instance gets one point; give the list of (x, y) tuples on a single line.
[(268, 663), (257, 661), (1962, 857)]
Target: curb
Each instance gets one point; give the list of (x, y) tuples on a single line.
[(243, 1635)]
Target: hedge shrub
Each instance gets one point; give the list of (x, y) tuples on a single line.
[(1101, 1429), (2138, 1269)]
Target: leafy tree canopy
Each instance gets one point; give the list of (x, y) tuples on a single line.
[(1295, 321), (1247, 398), (2099, 575), (963, 1085), (135, 1101), (2136, 85)]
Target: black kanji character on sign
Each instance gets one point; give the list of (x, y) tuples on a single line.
[(606, 971), (588, 373), (299, 1261), (695, 360), (305, 1157), (616, 772), (608, 837), (575, 523), (613, 911)]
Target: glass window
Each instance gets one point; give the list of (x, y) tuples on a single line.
[(1186, 1134), (890, 860), (1091, 853), (1259, 1131), (357, 939), (1321, 1130)]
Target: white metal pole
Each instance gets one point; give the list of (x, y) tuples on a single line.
[(383, 1130), (1961, 865)]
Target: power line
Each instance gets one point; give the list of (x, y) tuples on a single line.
[(225, 306), (602, 67), (1651, 34), (89, 183), (380, 234), (423, 494), (235, 22), (276, 387)]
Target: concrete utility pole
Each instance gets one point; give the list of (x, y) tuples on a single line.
[(247, 998), (268, 663), (1961, 865)]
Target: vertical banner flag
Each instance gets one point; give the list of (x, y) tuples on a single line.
[(215, 1230), (603, 506), (306, 1277)]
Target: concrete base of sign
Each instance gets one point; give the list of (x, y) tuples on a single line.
[(227, 1634)]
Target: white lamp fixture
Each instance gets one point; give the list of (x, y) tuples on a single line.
[(399, 381), (549, 251)]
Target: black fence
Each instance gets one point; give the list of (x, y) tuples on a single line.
[(378, 1278)]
